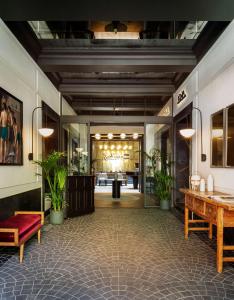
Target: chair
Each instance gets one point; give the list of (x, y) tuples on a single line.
[(102, 178), (123, 178)]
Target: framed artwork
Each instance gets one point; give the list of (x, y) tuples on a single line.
[(11, 128)]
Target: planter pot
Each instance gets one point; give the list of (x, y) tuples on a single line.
[(56, 217), (165, 204)]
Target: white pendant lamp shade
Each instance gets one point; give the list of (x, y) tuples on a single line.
[(122, 136), (187, 133), (45, 132)]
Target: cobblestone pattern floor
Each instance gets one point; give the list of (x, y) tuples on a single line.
[(116, 254)]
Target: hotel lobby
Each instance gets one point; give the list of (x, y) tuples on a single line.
[(116, 159)]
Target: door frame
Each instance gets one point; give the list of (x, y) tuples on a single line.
[(167, 121), (180, 116)]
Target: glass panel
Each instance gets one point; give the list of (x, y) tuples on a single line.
[(76, 148), (230, 136), (217, 135), (158, 155)]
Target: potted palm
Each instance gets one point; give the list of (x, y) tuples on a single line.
[(163, 185), (55, 175), (160, 168)]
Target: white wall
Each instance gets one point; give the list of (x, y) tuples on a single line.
[(211, 87), (21, 76)]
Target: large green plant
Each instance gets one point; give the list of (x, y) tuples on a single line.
[(55, 175), (160, 167), (163, 185)]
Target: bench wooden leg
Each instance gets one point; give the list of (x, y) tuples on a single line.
[(21, 252), (39, 236)]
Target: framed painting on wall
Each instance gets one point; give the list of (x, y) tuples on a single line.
[(11, 128)]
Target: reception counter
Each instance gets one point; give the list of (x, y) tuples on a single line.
[(214, 208), (80, 195)]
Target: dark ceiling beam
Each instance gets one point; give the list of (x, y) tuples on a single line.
[(26, 36), (117, 108), (208, 36), (112, 119), (137, 56), (111, 89), (126, 81)]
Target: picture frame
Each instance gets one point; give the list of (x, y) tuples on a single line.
[(11, 129)]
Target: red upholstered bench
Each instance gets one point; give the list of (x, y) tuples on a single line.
[(18, 229)]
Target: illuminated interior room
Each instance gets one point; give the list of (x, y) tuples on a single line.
[(116, 154)]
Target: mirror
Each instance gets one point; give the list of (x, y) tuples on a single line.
[(217, 139), (230, 137)]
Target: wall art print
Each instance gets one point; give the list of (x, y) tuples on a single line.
[(11, 127)]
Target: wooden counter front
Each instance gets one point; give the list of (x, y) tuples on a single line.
[(213, 212)]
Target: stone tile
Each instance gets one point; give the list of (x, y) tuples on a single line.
[(116, 254)]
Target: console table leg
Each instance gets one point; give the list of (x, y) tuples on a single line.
[(220, 239), (186, 222), (210, 231)]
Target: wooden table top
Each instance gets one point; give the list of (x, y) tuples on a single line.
[(206, 196)]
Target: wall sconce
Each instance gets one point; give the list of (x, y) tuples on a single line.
[(189, 132), (45, 132)]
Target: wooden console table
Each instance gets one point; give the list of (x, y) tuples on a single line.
[(213, 212)]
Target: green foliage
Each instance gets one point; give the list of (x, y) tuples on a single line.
[(163, 185), (55, 174), (160, 168)]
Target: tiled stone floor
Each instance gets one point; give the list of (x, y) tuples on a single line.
[(116, 254)]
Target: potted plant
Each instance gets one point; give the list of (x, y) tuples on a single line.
[(55, 174), (160, 168), (163, 185)]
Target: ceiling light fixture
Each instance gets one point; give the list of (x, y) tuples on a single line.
[(135, 135), (122, 136), (97, 136), (110, 136)]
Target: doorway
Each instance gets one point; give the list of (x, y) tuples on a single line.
[(182, 154), (157, 154), (116, 162)]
